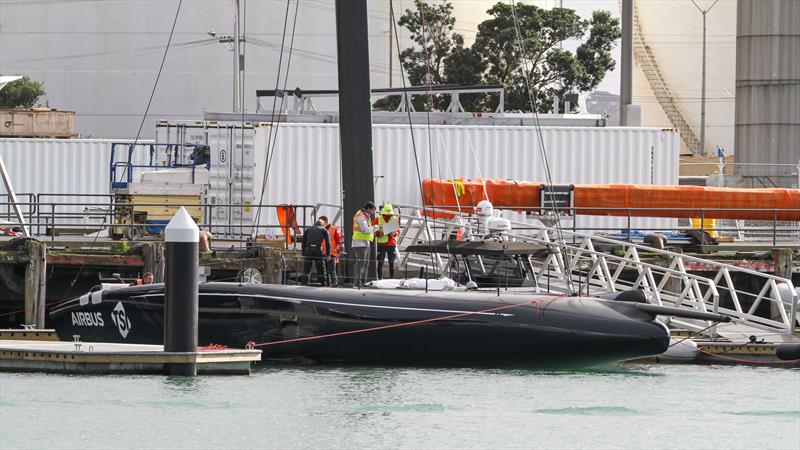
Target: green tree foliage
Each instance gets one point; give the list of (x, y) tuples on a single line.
[(497, 58), (21, 94), (438, 56)]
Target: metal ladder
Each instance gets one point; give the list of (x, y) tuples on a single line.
[(599, 265), (647, 61)]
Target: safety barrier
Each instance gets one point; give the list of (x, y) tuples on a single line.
[(574, 262)]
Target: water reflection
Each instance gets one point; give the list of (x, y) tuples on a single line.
[(183, 384)]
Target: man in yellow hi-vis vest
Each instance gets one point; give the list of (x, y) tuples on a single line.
[(363, 235)]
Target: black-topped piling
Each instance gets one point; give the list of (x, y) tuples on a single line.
[(181, 307)]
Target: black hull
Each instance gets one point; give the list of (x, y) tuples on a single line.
[(554, 331)]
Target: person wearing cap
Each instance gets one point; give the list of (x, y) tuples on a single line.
[(363, 235), (387, 243), (316, 249)]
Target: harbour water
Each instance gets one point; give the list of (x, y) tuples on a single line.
[(623, 406)]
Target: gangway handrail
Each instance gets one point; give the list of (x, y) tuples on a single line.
[(582, 246)]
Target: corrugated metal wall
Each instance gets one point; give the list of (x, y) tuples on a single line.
[(58, 166), (305, 163), (768, 87), (306, 160)]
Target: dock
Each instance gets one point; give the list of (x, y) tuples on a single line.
[(96, 358)]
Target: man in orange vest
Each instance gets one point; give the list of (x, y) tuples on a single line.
[(337, 247)]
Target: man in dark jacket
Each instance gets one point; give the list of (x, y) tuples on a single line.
[(313, 240)]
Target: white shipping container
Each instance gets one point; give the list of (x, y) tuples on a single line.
[(231, 177), (57, 169), (305, 167)]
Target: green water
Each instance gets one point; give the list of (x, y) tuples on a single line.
[(630, 406)]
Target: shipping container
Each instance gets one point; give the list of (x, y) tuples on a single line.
[(305, 163), (231, 177), (54, 170), (43, 123)]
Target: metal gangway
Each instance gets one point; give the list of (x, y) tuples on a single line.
[(576, 260)]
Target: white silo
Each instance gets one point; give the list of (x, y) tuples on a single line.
[(668, 71)]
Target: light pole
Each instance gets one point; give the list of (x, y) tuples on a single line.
[(702, 149), (237, 58)]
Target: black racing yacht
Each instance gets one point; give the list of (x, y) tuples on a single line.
[(388, 326), (377, 326)]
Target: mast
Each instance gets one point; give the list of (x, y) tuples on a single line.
[(355, 110)]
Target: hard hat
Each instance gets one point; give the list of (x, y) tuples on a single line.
[(387, 209)]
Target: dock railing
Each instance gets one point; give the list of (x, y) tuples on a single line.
[(594, 264), (50, 215), (54, 212)]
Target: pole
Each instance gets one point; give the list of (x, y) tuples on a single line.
[(236, 58), (703, 95), (12, 197), (626, 77), (355, 111), (182, 239), (391, 24), (702, 149)]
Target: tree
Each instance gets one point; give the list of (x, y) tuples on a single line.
[(497, 58), (438, 56), (552, 71), (21, 94)]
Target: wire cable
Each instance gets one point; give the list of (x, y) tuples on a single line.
[(144, 117), (542, 148), (411, 130), (273, 125)]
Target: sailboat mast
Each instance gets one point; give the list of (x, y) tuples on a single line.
[(355, 110)]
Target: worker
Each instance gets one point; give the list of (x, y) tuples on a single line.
[(205, 241), (315, 239), (363, 235), (387, 243), (337, 248), (147, 278)]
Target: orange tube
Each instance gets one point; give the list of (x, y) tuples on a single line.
[(679, 201)]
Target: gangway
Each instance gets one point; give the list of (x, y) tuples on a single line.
[(577, 259)]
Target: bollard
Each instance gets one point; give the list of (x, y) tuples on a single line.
[(181, 306)]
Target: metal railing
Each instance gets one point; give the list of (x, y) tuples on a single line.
[(54, 211), (664, 276), (47, 215)]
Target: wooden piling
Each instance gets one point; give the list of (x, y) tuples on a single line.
[(153, 257), (35, 283)]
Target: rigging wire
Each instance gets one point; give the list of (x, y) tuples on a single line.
[(141, 124), (542, 149), (411, 130), (158, 77), (272, 151), (270, 144), (429, 71)]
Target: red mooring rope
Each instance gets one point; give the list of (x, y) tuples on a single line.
[(406, 324)]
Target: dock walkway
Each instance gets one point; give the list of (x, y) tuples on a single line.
[(107, 358)]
